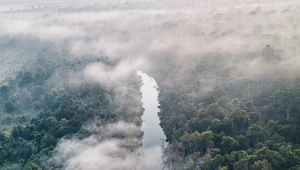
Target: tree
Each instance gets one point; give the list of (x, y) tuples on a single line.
[(248, 86), (4, 92), (269, 54), (32, 166), (4, 153), (241, 165), (217, 161), (228, 143), (286, 100), (291, 154), (41, 74), (255, 133), (223, 168), (262, 165), (270, 127), (191, 141), (215, 110), (27, 78), (9, 106), (47, 141), (271, 156), (240, 119)]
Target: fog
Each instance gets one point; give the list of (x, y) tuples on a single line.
[(99, 151), (146, 35)]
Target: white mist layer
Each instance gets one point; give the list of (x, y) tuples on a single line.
[(94, 153), (153, 134)]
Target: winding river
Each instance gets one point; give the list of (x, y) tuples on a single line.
[(153, 138)]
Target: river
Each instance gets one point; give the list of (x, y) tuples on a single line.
[(151, 158)]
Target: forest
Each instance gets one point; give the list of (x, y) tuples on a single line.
[(226, 72), (246, 123), (37, 113)]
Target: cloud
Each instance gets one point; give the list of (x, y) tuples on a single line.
[(109, 148), (151, 159), (150, 36), (104, 74)]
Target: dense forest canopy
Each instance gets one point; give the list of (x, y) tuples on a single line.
[(41, 110), (227, 75), (238, 124)]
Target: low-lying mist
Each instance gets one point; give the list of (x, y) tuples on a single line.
[(111, 40)]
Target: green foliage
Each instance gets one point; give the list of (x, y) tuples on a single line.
[(255, 123), (262, 165), (37, 113), (9, 106), (228, 143), (32, 166)]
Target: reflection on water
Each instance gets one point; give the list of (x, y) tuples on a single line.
[(153, 134)]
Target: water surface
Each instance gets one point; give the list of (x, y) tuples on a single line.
[(153, 134)]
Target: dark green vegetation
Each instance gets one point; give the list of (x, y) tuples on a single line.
[(215, 119), (45, 102)]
